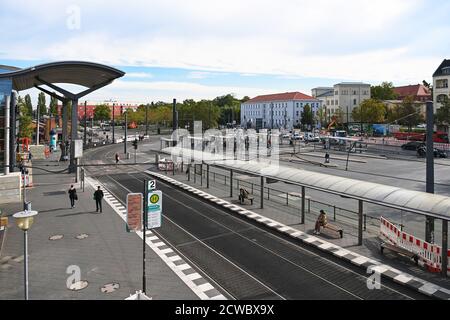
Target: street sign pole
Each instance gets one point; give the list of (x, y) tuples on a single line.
[(144, 221)]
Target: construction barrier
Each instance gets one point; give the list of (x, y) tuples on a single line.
[(429, 254)]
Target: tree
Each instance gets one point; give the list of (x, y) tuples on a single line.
[(102, 113), (53, 108), (322, 116), (28, 104), (307, 116), (406, 114), (25, 120), (443, 113), (370, 111), (385, 91), (41, 105)]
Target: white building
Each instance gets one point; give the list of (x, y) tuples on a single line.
[(344, 95), (441, 80), (277, 111)]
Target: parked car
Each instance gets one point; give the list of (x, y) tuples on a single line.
[(438, 153), (413, 145)]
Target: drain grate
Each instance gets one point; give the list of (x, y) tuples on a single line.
[(56, 237), (82, 236), (110, 287), (78, 286)]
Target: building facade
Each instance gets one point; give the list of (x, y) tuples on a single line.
[(118, 107), (345, 95), (441, 79), (277, 111), (418, 92)]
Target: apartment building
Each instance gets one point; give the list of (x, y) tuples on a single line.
[(441, 79), (277, 111), (344, 95)]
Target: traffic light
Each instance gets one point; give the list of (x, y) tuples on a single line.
[(135, 144)]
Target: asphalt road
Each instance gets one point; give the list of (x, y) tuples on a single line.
[(245, 261)]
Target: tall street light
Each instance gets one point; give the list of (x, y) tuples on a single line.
[(24, 221)]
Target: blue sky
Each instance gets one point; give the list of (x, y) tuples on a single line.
[(202, 49)]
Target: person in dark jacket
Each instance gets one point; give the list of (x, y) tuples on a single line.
[(72, 196), (98, 197)]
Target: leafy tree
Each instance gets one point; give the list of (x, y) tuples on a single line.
[(443, 113), (370, 111), (406, 114), (322, 116), (340, 116), (102, 113), (385, 91), (25, 120), (41, 105), (53, 108), (28, 104), (307, 116)]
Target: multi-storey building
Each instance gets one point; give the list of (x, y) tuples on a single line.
[(441, 79), (118, 107), (418, 92), (277, 111), (344, 95)]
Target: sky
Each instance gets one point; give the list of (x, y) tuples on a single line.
[(202, 49)]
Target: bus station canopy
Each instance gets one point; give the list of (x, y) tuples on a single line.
[(87, 74), (398, 198)]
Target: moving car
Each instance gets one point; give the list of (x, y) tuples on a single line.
[(438, 153), (413, 145)]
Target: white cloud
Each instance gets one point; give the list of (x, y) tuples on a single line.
[(167, 90), (353, 39), (139, 75)]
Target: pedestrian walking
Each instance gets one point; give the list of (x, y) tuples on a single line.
[(30, 156), (72, 196), (117, 158), (327, 157), (98, 197)]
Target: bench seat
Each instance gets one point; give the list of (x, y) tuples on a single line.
[(335, 229)]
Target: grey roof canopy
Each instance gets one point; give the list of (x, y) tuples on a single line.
[(87, 74), (413, 201)]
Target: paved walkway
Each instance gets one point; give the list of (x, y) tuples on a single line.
[(105, 253)]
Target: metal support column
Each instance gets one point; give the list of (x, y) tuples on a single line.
[(429, 225), (360, 222), (74, 134), (25, 238), (85, 125), (303, 204), (12, 135), (444, 247), (113, 124), (262, 193), (7, 127), (126, 136), (231, 183), (207, 176)]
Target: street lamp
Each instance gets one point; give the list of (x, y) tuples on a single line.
[(24, 221)]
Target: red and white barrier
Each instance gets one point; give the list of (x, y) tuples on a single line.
[(429, 254)]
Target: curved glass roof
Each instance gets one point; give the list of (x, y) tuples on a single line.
[(413, 201), (87, 74)]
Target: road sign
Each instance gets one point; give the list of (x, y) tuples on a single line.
[(151, 185), (134, 211), (154, 209)]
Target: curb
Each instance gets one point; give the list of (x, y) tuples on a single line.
[(356, 259), (196, 282)]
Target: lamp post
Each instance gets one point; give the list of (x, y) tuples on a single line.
[(24, 221)]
